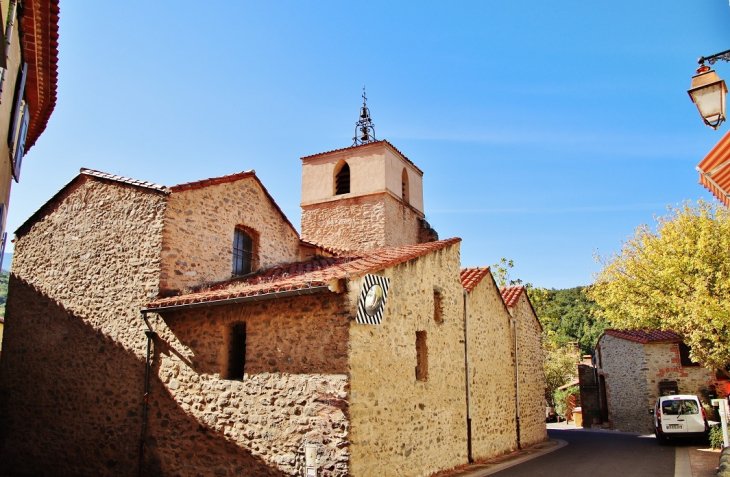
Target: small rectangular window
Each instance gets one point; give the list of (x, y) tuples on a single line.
[(237, 352), (684, 358), (421, 356), (438, 307)]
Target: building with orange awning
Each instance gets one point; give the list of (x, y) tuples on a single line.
[(714, 170)]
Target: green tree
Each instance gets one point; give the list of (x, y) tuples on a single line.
[(561, 367), (675, 277), (570, 316)]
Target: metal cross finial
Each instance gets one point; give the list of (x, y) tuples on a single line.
[(364, 127)]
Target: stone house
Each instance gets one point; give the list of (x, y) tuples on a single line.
[(531, 378), (634, 367), (189, 330)]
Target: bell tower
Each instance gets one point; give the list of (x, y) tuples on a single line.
[(363, 197)]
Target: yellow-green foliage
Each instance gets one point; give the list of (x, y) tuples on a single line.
[(675, 277)]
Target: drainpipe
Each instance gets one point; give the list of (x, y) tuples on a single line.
[(150, 333), (468, 381), (517, 388)]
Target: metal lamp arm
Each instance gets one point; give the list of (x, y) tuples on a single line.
[(724, 56)]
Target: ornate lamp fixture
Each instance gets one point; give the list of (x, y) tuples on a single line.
[(364, 127), (708, 91)]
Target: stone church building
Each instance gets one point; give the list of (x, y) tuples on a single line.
[(191, 330)]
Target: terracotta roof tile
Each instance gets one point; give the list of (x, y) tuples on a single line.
[(39, 43), (382, 141), (297, 276), (470, 277), (124, 180), (511, 294), (212, 181), (645, 336)]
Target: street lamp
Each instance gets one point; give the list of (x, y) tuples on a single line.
[(708, 91)]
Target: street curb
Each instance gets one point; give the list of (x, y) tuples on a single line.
[(494, 468)]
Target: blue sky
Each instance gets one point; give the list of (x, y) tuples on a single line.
[(546, 131)]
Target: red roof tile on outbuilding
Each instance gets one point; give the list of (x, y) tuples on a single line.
[(302, 275), (511, 294), (471, 277), (646, 336)]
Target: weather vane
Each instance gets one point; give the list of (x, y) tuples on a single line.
[(364, 127)]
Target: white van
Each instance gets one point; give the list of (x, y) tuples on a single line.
[(679, 416)]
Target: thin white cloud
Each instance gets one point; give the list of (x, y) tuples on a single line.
[(552, 210)]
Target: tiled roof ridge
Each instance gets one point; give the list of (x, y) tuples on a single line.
[(473, 276), (231, 178), (301, 275), (645, 335), (212, 181), (39, 42), (124, 180), (385, 141), (510, 294), (332, 250)]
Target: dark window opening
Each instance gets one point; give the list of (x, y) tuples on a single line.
[(438, 307), (242, 252), (237, 352), (684, 358), (421, 356), (342, 181), (404, 186), (668, 388)]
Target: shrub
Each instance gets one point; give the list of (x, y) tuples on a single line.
[(561, 400), (716, 437)]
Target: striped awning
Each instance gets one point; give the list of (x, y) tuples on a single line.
[(714, 170)]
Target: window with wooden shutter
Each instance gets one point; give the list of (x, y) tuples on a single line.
[(242, 252), (20, 142), (17, 106)]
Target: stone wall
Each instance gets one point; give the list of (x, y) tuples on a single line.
[(293, 392), (198, 234), (402, 426), (531, 373), (360, 223), (491, 372), (624, 366), (663, 363), (71, 375)]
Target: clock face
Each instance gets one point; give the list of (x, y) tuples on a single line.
[(373, 299)]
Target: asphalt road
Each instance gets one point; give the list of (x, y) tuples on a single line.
[(600, 454)]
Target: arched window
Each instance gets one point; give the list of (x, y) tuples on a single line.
[(242, 252), (342, 180), (404, 186)]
